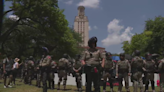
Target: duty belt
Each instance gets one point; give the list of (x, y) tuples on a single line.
[(122, 70)]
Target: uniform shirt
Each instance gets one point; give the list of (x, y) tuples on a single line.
[(92, 57), (123, 65)]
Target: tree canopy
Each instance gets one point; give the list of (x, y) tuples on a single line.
[(38, 23), (150, 40)]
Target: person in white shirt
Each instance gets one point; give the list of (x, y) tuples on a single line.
[(15, 68)]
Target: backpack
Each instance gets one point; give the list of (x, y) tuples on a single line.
[(62, 63), (150, 65), (138, 63), (108, 64), (46, 61)]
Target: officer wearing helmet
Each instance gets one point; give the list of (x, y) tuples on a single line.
[(123, 70), (77, 68), (25, 77), (91, 60), (44, 65), (161, 72), (39, 77), (30, 69), (63, 67), (51, 75), (137, 66), (149, 68), (108, 71)]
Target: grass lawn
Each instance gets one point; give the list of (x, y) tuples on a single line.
[(20, 87)]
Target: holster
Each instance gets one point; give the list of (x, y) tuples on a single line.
[(92, 69)]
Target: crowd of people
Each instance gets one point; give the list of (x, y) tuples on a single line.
[(94, 63)]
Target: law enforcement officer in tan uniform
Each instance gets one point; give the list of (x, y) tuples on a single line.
[(91, 61), (137, 66), (149, 68), (108, 71), (51, 75), (63, 66), (44, 65), (123, 70), (161, 72), (39, 77), (30, 69), (77, 68)]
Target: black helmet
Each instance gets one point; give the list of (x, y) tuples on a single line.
[(147, 54), (45, 49), (65, 56), (137, 52), (91, 41), (122, 54), (77, 56), (108, 54)]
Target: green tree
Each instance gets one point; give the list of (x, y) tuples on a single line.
[(150, 40), (40, 23)]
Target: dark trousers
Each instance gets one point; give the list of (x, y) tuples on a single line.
[(95, 78), (14, 74), (44, 80)]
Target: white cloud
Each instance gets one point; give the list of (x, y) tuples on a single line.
[(115, 35), (69, 2), (89, 3), (95, 27), (13, 17), (89, 27)]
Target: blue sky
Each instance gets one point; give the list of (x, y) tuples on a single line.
[(113, 21)]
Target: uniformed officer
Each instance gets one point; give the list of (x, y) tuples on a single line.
[(39, 76), (30, 70), (149, 68), (44, 65), (123, 70), (161, 72), (77, 68), (26, 71), (91, 60), (137, 66), (63, 66), (108, 71), (51, 76)]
